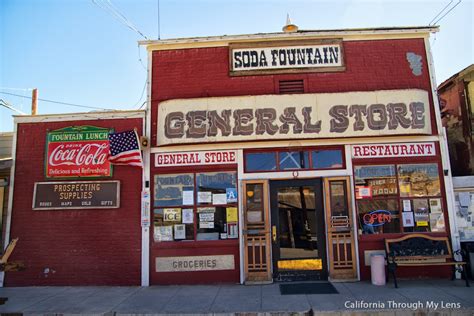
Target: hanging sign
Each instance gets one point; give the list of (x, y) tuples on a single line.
[(295, 116), (76, 195), (393, 150), (249, 59), (78, 152)]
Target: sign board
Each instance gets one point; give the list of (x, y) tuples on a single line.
[(393, 150), (283, 57), (195, 263), (78, 152), (145, 213), (296, 116), (196, 158), (76, 195)]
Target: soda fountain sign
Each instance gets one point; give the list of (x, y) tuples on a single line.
[(77, 152)]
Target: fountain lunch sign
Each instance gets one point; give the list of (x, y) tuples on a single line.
[(298, 116), (78, 152)]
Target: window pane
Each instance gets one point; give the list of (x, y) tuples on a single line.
[(294, 160), (419, 180), (173, 224), (375, 181), (260, 161), (217, 188), (423, 215), (327, 159), (216, 223), (338, 195), (169, 189), (255, 206), (378, 216)]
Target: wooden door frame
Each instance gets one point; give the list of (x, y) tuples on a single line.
[(347, 179), (266, 276)]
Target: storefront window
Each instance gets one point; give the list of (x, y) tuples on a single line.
[(327, 159), (260, 161), (398, 198), (184, 214), (293, 160)]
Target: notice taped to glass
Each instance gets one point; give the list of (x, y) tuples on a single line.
[(76, 195)]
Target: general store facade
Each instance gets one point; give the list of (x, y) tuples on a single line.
[(271, 157)]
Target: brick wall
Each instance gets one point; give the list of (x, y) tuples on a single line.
[(204, 72), (74, 247)]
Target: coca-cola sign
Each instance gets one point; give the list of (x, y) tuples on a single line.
[(78, 152)]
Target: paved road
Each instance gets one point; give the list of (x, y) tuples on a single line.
[(453, 298)]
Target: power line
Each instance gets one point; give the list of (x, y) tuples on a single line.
[(433, 22), (57, 102), (10, 107), (107, 6)]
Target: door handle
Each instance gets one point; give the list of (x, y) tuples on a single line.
[(274, 233)]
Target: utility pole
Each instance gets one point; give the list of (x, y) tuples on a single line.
[(34, 101)]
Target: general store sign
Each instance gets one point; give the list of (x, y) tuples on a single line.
[(325, 56), (76, 152), (393, 150), (73, 195), (196, 158), (298, 116)]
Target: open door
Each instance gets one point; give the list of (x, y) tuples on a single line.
[(256, 232), (342, 257)]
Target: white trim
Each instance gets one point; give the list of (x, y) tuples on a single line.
[(443, 144), (240, 172), (145, 253), (10, 197), (109, 115), (347, 34), (294, 143), (306, 174)]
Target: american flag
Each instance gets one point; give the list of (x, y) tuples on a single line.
[(125, 149)]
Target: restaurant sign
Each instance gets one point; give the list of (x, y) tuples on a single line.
[(298, 116), (393, 150), (247, 59), (77, 152), (76, 195)]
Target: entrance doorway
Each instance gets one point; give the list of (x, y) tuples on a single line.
[(298, 230)]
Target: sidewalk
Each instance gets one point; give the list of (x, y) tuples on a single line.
[(452, 297)]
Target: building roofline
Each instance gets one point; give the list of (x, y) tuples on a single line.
[(96, 115), (294, 35), (457, 76)]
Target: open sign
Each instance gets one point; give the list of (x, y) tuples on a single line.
[(377, 218)]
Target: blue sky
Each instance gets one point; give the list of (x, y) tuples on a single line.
[(75, 52)]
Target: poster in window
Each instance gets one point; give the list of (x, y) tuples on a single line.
[(435, 205), (407, 206), (437, 222), (231, 195), (188, 216), (188, 197), (206, 210), (164, 233), (204, 197), (231, 214), (363, 192), (172, 215), (254, 216), (179, 231), (408, 220), (206, 224), (232, 230), (206, 217), (219, 199)]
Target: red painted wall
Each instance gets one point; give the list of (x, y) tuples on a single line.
[(204, 72), (79, 247)]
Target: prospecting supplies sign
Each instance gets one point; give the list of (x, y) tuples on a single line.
[(78, 152), (298, 116)]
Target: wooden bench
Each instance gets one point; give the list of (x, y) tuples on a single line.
[(417, 250)]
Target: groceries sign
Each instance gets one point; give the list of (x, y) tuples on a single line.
[(285, 57), (298, 116), (77, 152)]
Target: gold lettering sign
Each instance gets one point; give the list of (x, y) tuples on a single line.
[(194, 263)]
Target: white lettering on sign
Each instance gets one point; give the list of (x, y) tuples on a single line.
[(195, 158), (195, 263), (393, 150), (286, 57)]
